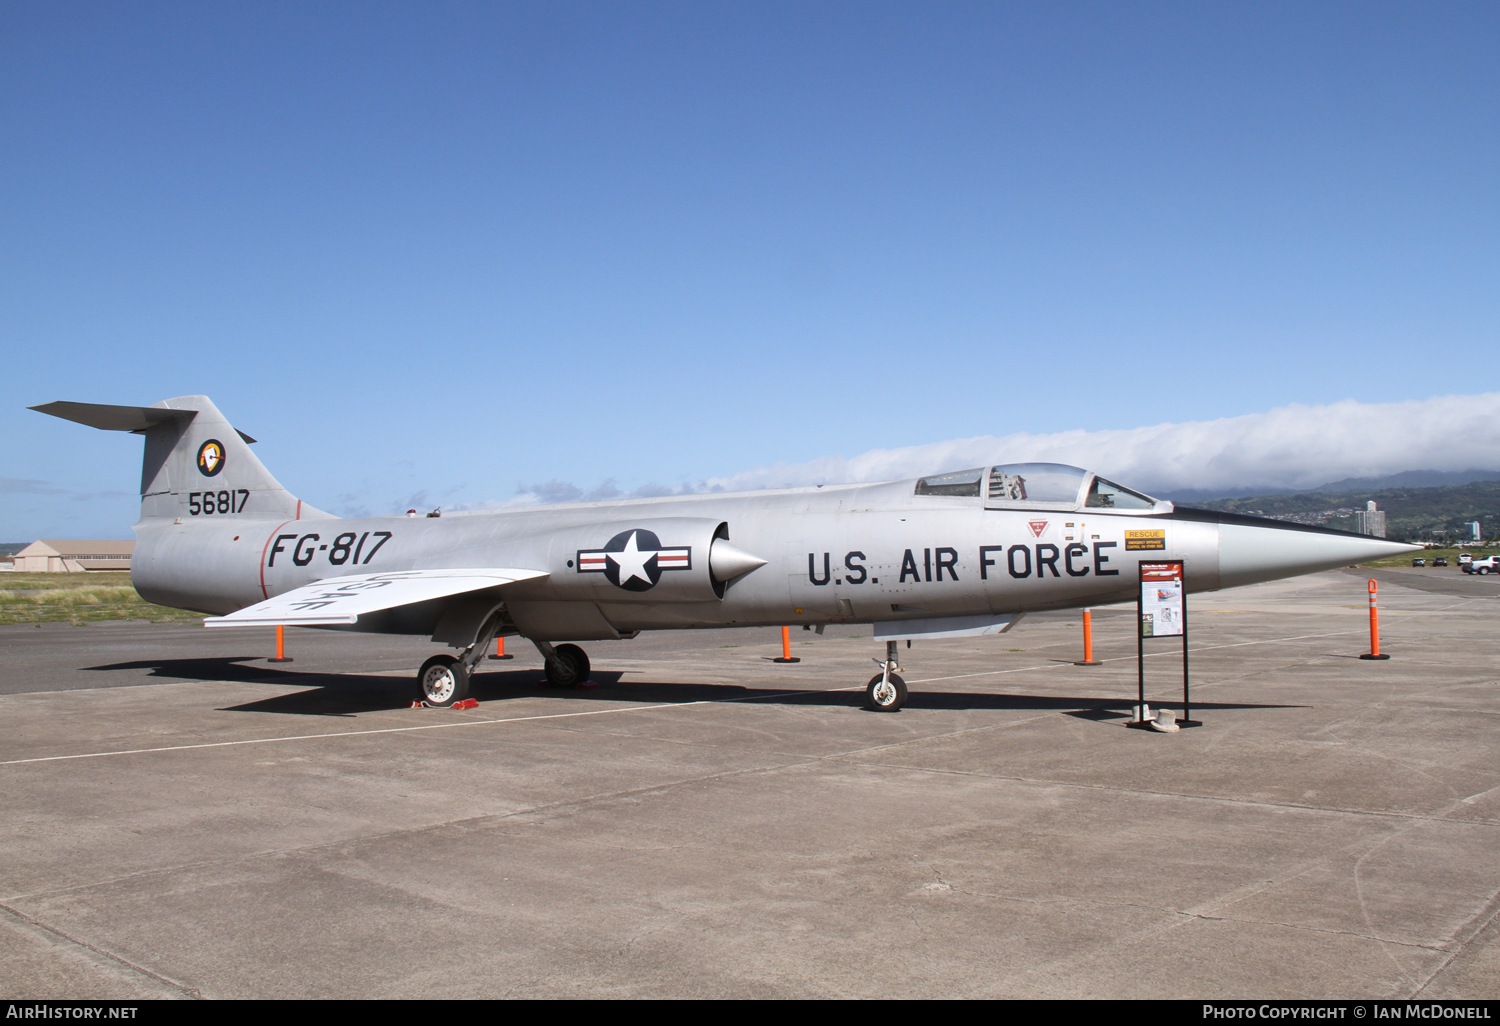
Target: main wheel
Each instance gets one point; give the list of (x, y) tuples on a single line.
[(885, 696), (568, 667), (1484, 571), (443, 680)]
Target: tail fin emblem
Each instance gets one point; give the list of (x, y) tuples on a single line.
[(211, 457)]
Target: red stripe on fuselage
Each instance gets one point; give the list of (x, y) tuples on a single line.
[(264, 549)]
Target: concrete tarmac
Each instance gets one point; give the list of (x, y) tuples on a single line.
[(182, 819)]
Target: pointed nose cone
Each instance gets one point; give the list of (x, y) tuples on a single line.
[(1249, 553), (726, 562)]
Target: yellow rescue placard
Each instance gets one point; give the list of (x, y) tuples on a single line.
[(1140, 540)]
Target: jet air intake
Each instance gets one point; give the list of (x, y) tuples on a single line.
[(650, 560), (725, 562)]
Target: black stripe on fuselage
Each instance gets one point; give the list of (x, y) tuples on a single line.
[(1211, 516)]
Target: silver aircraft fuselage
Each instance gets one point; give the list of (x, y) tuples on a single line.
[(844, 554), (220, 535)]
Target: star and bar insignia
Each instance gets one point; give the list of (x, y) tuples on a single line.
[(634, 560)]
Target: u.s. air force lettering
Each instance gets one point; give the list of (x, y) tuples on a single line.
[(634, 560), (1021, 561)]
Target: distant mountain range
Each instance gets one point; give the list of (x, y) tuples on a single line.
[(1410, 511), (1405, 479)]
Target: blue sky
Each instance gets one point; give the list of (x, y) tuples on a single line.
[(456, 251)]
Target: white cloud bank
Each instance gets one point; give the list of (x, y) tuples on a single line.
[(1288, 447)]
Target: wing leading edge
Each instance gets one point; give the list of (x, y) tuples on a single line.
[(342, 600)]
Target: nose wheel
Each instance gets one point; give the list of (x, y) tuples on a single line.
[(886, 692)]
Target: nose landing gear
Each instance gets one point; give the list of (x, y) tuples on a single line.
[(886, 692)]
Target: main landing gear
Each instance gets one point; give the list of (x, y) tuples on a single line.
[(886, 692), (566, 666), (444, 679)]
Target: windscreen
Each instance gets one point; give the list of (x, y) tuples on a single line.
[(1108, 495), (1055, 483), (960, 482)]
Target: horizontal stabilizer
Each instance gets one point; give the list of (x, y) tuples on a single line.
[(947, 627), (114, 418), (120, 418), (342, 600)]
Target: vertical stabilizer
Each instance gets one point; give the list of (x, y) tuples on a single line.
[(197, 467)]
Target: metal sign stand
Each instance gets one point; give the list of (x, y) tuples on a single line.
[(1187, 702), (1167, 571)]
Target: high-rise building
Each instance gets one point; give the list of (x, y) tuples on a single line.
[(1370, 521), (1474, 528)]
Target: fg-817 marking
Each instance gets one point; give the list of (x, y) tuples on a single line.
[(343, 549)]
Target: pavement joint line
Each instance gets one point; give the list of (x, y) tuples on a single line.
[(1176, 922), (1044, 782), (1473, 928), (934, 737), (795, 762), (1418, 945), (182, 989), (1172, 922), (427, 726), (1359, 894), (799, 761), (1188, 914)]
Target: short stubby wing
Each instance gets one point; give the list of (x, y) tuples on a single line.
[(342, 600)]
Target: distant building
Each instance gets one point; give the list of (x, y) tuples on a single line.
[(1474, 527), (66, 556), (1370, 521)]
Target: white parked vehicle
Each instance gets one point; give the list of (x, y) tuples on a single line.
[(1487, 565)]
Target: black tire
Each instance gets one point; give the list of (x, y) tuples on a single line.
[(1484, 571), (568, 667), (878, 699), (443, 680)]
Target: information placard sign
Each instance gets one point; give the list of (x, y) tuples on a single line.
[(1161, 611), (1161, 599)]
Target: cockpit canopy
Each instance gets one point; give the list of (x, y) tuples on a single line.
[(1037, 485)]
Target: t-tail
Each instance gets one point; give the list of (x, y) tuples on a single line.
[(205, 498), (197, 467)]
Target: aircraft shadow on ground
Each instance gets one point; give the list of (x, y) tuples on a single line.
[(349, 694), (203, 668)]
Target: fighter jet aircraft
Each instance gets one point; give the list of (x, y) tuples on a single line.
[(964, 553)]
